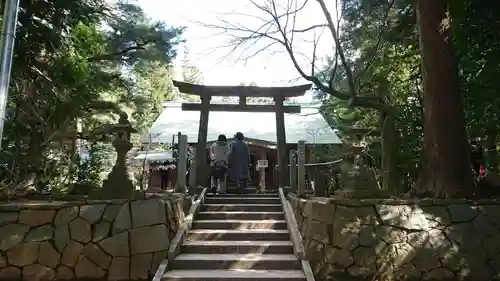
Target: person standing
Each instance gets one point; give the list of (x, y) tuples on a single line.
[(164, 175), (219, 158), (239, 163)]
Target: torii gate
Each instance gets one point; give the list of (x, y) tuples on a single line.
[(279, 94)]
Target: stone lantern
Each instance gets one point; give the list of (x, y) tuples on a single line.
[(120, 180)]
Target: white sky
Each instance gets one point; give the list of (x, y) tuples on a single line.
[(272, 68)]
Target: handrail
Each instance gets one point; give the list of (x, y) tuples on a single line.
[(176, 243), (161, 269), (306, 267), (292, 226)]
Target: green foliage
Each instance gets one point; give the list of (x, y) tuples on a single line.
[(381, 46), (93, 169), (75, 65), (132, 36), (476, 39), (153, 85), (381, 43)]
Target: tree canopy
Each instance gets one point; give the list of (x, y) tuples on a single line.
[(414, 96), (76, 65), (413, 91)]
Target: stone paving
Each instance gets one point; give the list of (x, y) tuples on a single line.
[(100, 239), (401, 239)]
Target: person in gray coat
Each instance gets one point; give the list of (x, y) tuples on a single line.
[(219, 156), (239, 163)]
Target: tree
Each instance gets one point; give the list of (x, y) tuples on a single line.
[(153, 86), (342, 79), (261, 100), (475, 36), (68, 69), (396, 68), (190, 74), (50, 82), (372, 79), (379, 39), (447, 170)]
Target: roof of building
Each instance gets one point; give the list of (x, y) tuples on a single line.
[(309, 125), (151, 156)]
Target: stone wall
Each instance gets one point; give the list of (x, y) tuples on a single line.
[(91, 240), (401, 239)]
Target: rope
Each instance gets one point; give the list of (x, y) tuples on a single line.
[(321, 164)]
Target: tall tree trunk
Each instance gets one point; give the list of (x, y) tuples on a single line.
[(446, 170)]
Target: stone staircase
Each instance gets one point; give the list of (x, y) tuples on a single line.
[(232, 188), (237, 238)]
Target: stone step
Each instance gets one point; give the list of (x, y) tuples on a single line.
[(242, 200), (231, 189), (237, 247), (243, 207), (239, 224), (250, 184), (225, 215), (246, 191), (272, 195), (235, 261), (239, 235), (234, 275), (233, 185)]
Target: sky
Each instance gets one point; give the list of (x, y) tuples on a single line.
[(203, 44)]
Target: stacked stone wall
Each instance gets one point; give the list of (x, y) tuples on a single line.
[(400, 240), (87, 240)]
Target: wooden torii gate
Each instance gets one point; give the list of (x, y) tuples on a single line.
[(279, 94)]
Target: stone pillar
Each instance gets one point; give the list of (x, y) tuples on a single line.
[(192, 173), (301, 167), (262, 171), (293, 170), (181, 164), (261, 155)]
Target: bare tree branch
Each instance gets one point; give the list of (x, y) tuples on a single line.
[(118, 54), (340, 51), (312, 27), (379, 44), (279, 27), (315, 45), (336, 62)]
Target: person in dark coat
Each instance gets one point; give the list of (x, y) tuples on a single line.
[(164, 176), (239, 162)]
